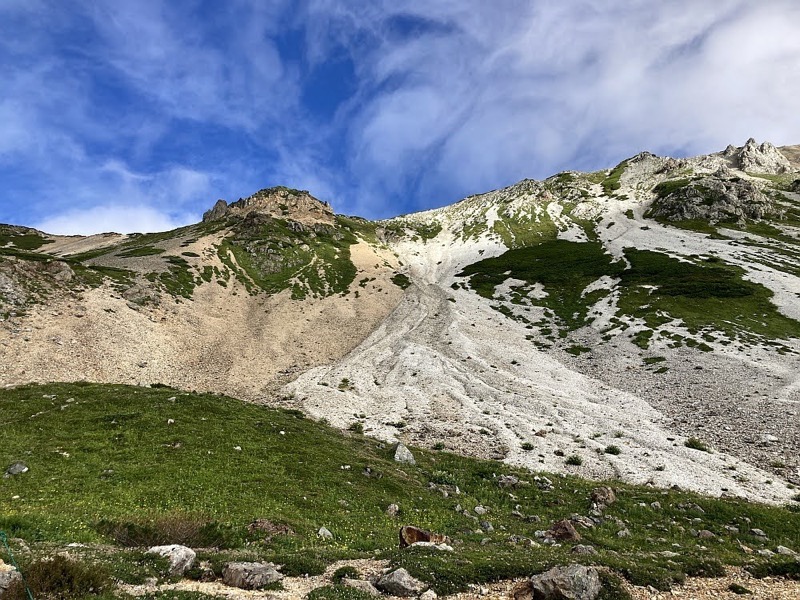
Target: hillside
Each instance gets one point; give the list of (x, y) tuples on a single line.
[(651, 307), (113, 468)]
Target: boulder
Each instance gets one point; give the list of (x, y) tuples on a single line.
[(360, 584), (180, 557), (403, 455), (564, 530), (250, 575), (400, 583), (574, 582)]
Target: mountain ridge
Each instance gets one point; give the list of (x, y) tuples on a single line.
[(415, 328)]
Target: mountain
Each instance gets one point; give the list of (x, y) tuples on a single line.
[(640, 323)]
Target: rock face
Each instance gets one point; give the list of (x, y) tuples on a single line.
[(400, 583), (714, 199), (180, 557), (574, 582), (279, 202), (250, 576), (764, 158), (403, 454)]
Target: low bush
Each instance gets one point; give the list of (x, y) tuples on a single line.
[(59, 578), (186, 530), (346, 572)]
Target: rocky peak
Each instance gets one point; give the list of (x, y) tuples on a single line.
[(760, 158), (278, 202)]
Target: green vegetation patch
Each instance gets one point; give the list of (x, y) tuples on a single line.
[(275, 255), (611, 183), (401, 280), (564, 268), (121, 466), (141, 251), (705, 294), (21, 238)]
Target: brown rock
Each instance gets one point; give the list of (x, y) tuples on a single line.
[(564, 530)]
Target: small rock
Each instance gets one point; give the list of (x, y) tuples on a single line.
[(759, 533), (784, 551), (480, 510), (705, 534), (583, 549), (15, 468), (655, 505), (403, 455), (602, 497), (429, 595), (624, 533), (360, 584), (563, 530), (507, 481), (325, 533), (487, 527), (250, 575), (765, 552), (400, 583), (8, 575), (180, 557), (440, 546), (584, 522), (393, 510)]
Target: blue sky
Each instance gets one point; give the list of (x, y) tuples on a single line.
[(137, 116)]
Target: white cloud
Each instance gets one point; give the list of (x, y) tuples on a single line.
[(118, 218), (482, 95)]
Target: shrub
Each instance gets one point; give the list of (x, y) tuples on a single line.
[(738, 589), (615, 450), (60, 578), (696, 444), (298, 565), (574, 460), (527, 446), (356, 427), (186, 530), (346, 572), (438, 446), (338, 592)]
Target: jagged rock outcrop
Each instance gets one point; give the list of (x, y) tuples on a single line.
[(759, 158), (715, 198), (279, 202)]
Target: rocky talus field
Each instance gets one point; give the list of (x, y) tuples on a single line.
[(636, 328)]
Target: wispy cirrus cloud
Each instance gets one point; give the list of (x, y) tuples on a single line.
[(381, 108)]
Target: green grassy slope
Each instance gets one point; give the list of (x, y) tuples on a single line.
[(105, 459)]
